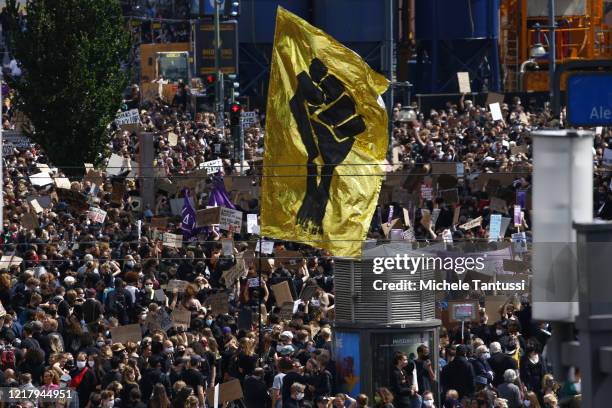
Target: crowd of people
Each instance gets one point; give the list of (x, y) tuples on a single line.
[(69, 280)]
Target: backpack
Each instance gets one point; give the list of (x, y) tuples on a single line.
[(118, 302), (8, 359)]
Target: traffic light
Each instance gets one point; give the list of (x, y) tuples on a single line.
[(232, 8), (235, 110), (210, 82)]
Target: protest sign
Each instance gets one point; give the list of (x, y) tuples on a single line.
[(228, 391), (181, 317), (180, 285), (282, 293), (607, 158), (252, 226), (517, 216), (96, 215), (496, 112), (61, 182), (172, 139), (463, 310), (308, 292), (117, 165), (388, 226), (41, 179), (505, 222), (248, 119), (426, 192), (456, 213), (493, 97), (218, 303), (266, 247), (286, 311), (36, 206), (74, 199), (494, 227), (117, 192), (160, 223), (213, 166), (230, 220), (130, 117), (95, 177), (9, 260), (227, 246), (208, 217), (463, 78), (519, 243), (173, 240), (126, 333), (471, 223), (13, 140), (253, 282)]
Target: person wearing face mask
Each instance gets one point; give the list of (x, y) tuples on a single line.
[(532, 366), (296, 399), (481, 364), (500, 362), (383, 398), (531, 400), (83, 380), (107, 399)]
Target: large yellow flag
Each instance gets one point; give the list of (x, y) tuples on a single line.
[(326, 135)]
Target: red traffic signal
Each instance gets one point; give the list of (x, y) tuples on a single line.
[(235, 108), (211, 79)]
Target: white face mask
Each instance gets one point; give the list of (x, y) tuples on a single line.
[(169, 350), (527, 403), (499, 332), (91, 364), (578, 387), (81, 364), (299, 396), (428, 403), (109, 404)]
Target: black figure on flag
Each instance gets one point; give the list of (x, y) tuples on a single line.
[(328, 124)]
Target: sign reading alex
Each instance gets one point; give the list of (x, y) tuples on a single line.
[(205, 47), (589, 99), (325, 112)]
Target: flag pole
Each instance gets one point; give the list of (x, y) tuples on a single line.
[(259, 316)]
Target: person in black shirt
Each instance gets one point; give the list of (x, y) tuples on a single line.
[(293, 376), (194, 378), (255, 390), (401, 381)]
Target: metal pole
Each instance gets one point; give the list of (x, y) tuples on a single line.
[(389, 62), (259, 299), (552, 50), (1, 160), (219, 83), (241, 152)]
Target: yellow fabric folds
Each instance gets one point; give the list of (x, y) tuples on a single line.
[(326, 134)]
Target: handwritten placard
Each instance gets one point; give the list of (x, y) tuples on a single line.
[(127, 333), (282, 293), (218, 303), (472, 223), (96, 215), (173, 240), (230, 220)]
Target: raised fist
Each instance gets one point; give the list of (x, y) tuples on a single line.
[(328, 124)]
